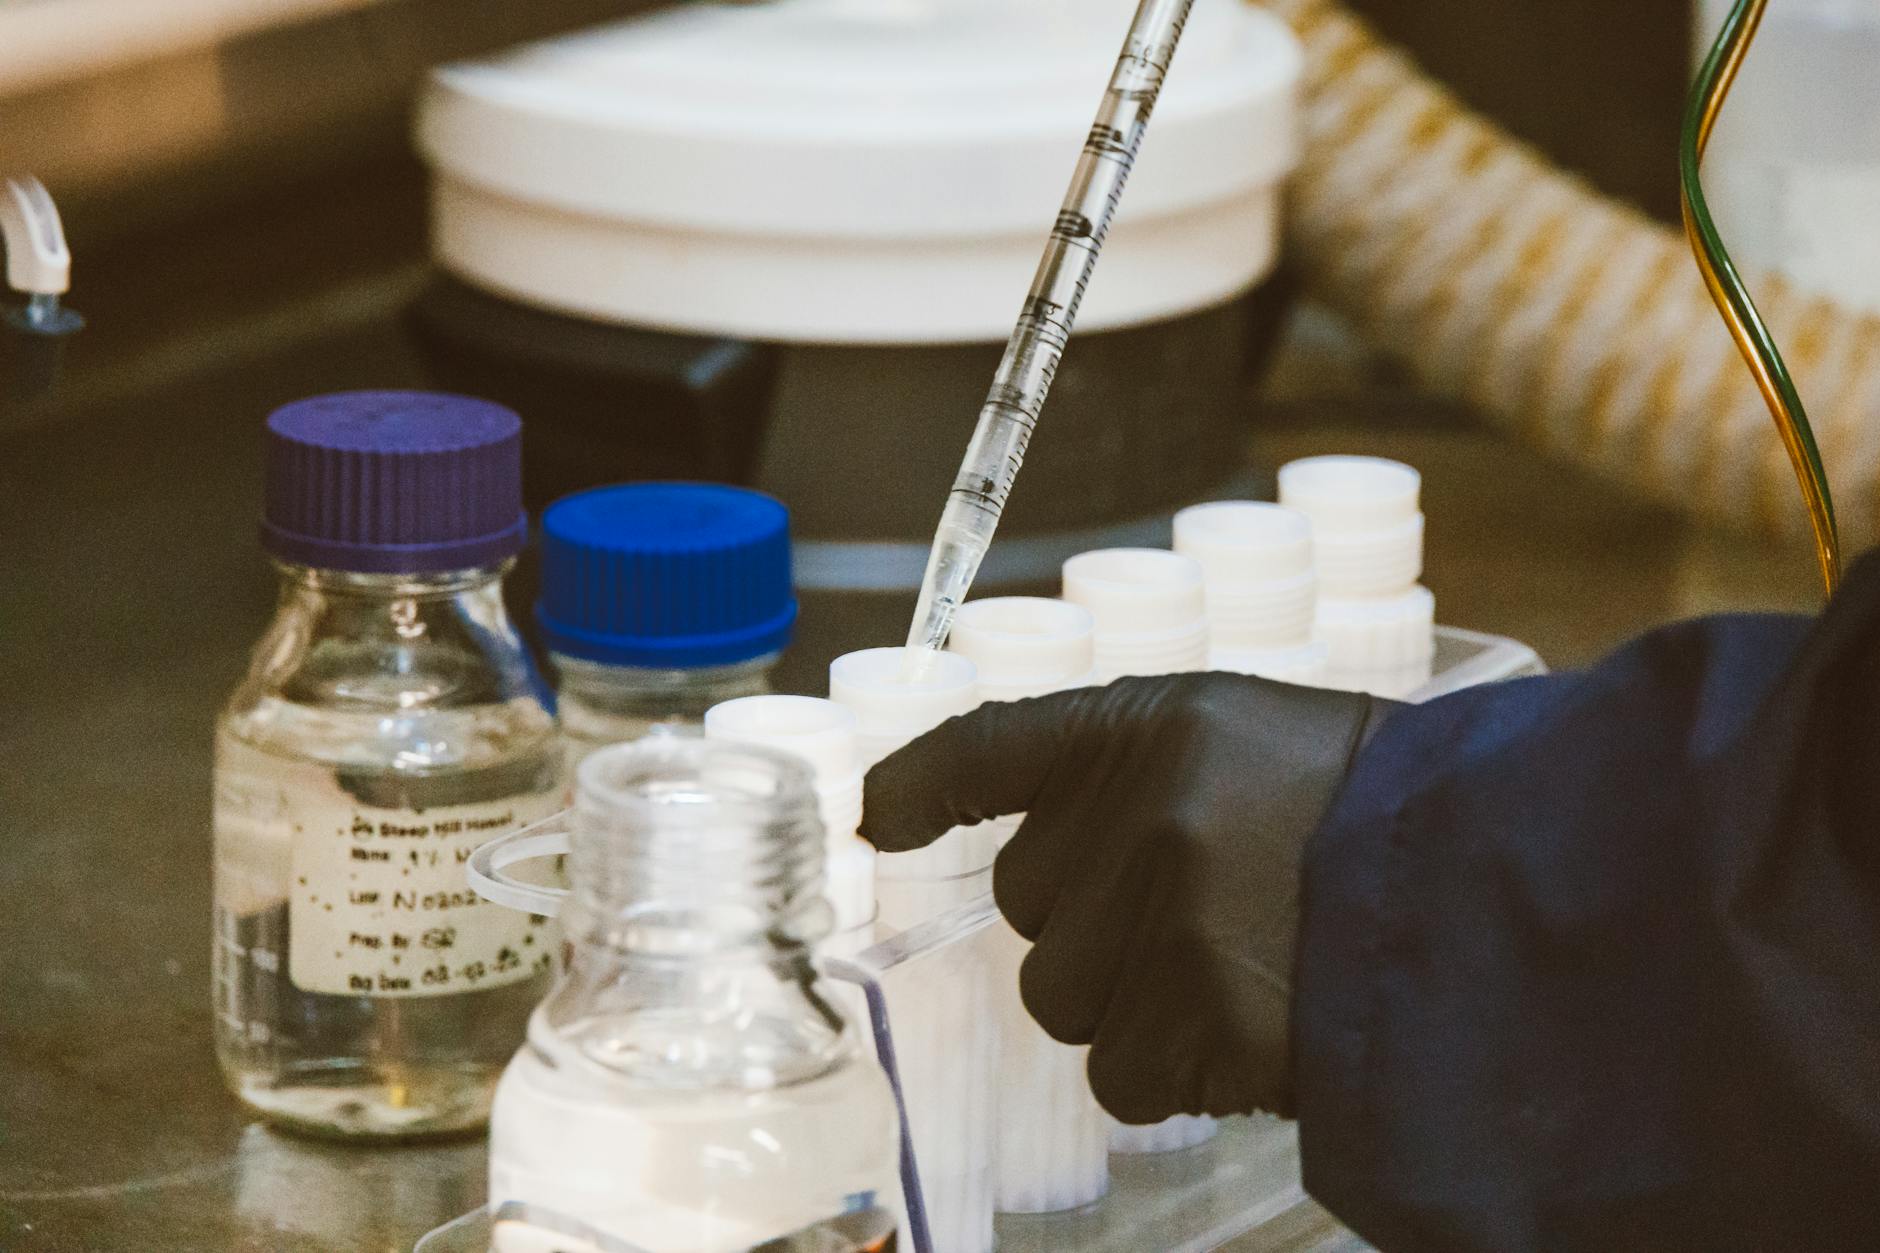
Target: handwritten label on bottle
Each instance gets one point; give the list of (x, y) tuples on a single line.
[(379, 905)]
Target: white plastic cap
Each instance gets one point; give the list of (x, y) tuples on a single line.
[(896, 697), (821, 732), (1387, 633), (1149, 607), (1342, 494), (1136, 591), (1025, 645), (1257, 561), (1245, 541)]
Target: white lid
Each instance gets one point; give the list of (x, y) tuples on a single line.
[(1025, 643), (867, 133), (821, 732), (1245, 541), (1350, 493), (895, 697), (1136, 591)]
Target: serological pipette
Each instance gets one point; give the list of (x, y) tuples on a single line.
[(1044, 324)]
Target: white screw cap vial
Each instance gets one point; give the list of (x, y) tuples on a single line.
[(1026, 645), (1368, 531), (897, 698), (1053, 1149), (1149, 607), (1256, 559), (821, 732)]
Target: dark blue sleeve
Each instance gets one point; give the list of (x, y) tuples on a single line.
[(1592, 961)]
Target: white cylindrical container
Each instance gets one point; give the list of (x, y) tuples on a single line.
[(946, 1037), (1026, 646), (1260, 585), (1151, 618), (1376, 623), (1367, 530), (897, 698), (823, 734), (1149, 608), (1052, 1136)]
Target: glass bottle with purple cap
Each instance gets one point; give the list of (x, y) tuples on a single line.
[(389, 723)]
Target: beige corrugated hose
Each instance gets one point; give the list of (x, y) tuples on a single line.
[(1569, 318)]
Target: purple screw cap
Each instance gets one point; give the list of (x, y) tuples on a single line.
[(394, 483)]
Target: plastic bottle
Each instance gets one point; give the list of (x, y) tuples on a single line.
[(890, 710), (689, 1087), (946, 1034), (1052, 1143), (1377, 623), (660, 600), (389, 723), (1151, 618)]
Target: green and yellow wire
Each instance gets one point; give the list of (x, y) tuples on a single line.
[(1732, 297)]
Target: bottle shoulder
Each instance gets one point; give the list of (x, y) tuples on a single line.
[(408, 684), (748, 1033), (557, 1068), (517, 736)]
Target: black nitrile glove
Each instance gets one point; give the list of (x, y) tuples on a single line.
[(1157, 869)]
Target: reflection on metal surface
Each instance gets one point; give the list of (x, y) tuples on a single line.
[(337, 1196)]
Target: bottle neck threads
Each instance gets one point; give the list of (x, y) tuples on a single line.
[(686, 849)]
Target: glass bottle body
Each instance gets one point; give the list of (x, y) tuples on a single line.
[(695, 1166), (601, 704), (387, 726), (689, 1087)]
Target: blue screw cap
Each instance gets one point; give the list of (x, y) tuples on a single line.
[(675, 576)]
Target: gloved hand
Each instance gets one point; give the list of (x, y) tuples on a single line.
[(1156, 872)]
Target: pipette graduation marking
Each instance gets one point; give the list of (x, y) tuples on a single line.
[(1044, 324)]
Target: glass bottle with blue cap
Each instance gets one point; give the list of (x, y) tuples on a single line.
[(390, 723), (660, 600)]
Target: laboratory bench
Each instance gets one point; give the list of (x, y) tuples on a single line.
[(131, 590)]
